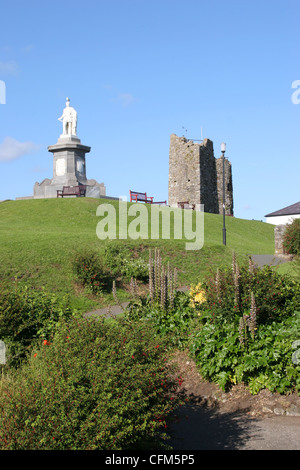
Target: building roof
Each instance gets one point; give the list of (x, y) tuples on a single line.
[(289, 210)]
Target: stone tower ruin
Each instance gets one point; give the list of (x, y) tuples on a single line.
[(196, 176)]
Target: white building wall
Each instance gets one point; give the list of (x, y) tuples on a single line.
[(282, 219)]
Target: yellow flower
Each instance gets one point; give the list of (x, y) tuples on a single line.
[(197, 295), (200, 297)]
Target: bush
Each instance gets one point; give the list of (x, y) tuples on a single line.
[(228, 294), (265, 361), (25, 315), (114, 253), (168, 310), (91, 272), (95, 385), (123, 262), (173, 323), (291, 238), (135, 268)]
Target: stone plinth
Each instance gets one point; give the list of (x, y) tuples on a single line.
[(69, 169)]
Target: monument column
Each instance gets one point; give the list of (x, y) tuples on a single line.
[(69, 165)]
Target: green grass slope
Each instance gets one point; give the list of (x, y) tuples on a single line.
[(38, 239)]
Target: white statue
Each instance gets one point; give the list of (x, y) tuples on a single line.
[(69, 120)]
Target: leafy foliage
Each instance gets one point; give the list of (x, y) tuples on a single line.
[(95, 385), (266, 362), (25, 315), (173, 323), (168, 310), (247, 325), (91, 271), (291, 238), (229, 294), (123, 262)]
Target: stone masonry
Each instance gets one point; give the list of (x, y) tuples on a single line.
[(196, 176), (279, 231), (69, 169)]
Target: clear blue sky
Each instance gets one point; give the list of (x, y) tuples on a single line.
[(137, 71)]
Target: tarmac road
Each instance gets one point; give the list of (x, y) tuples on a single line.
[(271, 260), (201, 428)]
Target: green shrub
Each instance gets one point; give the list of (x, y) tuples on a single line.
[(228, 294), (247, 323), (136, 268), (95, 385), (114, 253), (174, 323), (124, 262), (264, 362), (168, 310), (91, 271), (291, 238), (25, 315)]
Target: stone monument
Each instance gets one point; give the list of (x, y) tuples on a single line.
[(69, 165)]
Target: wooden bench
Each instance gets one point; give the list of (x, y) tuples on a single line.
[(186, 205), (78, 191), (142, 197), (161, 203)]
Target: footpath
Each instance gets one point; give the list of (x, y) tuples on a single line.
[(235, 420), (204, 429)]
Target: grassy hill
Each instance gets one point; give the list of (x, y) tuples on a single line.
[(38, 239)]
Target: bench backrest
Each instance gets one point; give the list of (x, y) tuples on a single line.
[(71, 190), (74, 189), (141, 196), (138, 196)]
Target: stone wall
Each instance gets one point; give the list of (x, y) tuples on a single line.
[(228, 186), (196, 176), (208, 177), (278, 235), (184, 171)]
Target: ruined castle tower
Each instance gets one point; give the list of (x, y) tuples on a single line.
[(196, 176)]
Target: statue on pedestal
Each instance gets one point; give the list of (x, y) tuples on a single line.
[(69, 165), (69, 120)]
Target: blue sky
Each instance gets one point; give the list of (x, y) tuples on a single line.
[(137, 71)]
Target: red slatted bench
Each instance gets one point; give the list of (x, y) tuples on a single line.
[(142, 197)]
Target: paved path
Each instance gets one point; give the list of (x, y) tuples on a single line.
[(108, 311), (271, 260), (116, 309), (201, 428)]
